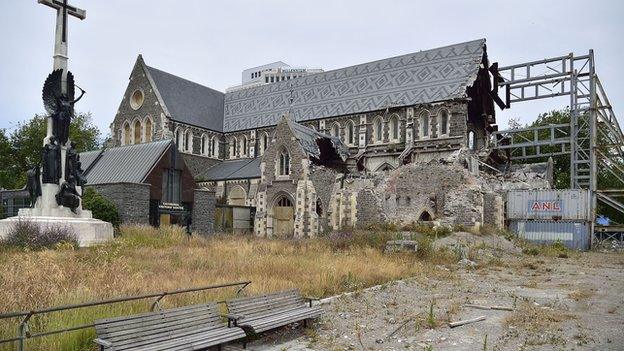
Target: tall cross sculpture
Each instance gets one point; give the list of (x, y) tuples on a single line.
[(63, 9)]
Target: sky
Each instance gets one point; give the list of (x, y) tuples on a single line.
[(211, 42)]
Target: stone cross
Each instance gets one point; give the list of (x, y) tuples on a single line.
[(60, 45)]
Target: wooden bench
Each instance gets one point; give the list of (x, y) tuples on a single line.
[(260, 313), (186, 328)]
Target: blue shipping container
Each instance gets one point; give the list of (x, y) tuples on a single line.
[(575, 235)]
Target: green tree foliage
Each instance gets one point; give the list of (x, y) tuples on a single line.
[(101, 207), (562, 163), (23, 147)]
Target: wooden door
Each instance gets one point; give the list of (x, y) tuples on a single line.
[(283, 221)]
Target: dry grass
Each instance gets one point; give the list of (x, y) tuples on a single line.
[(540, 324), (146, 260)]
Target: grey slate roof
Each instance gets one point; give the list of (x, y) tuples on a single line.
[(422, 77), (189, 102), (125, 164), (308, 138), (87, 158), (234, 169)]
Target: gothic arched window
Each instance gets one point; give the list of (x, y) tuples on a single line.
[(350, 133), (443, 121), (126, 135), (178, 138), (284, 162), (264, 142), (424, 124), (377, 130), (137, 132), (394, 128), (148, 129), (204, 145), (188, 141), (335, 130)]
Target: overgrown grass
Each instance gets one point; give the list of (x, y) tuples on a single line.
[(144, 260)]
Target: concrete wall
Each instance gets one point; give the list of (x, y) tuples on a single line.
[(204, 212), (131, 199)]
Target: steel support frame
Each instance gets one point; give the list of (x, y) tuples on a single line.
[(595, 136)]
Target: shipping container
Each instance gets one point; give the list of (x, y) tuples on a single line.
[(567, 205), (575, 235)]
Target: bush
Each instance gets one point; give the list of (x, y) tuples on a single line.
[(101, 207), (347, 239), (26, 234)]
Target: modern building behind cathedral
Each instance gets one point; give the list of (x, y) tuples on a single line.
[(286, 141)]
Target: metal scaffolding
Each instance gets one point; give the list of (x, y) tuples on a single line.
[(593, 137)]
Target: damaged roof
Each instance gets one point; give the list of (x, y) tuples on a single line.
[(189, 102), (426, 76), (309, 140)]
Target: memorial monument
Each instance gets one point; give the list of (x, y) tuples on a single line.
[(55, 185)]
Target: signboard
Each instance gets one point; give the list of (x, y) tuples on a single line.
[(545, 206)]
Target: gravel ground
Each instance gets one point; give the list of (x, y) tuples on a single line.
[(574, 303)]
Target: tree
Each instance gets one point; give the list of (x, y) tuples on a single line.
[(6, 158), (26, 142)]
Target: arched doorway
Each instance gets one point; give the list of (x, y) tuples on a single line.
[(237, 196), (283, 217), (425, 216)]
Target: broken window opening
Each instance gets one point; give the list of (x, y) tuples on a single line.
[(425, 216)]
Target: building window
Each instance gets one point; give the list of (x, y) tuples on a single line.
[(188, 141), (243, 151), (335, 130), (424, 124), (204, 144), (394, 128), (319, 207), (284, 163), (178, 139), (443, 120), (471, 140), (266, 79), (377, 130), (171, 186), (126, 135), (233, 146), (136, 99), (350, 133), (137, 132), (148, 129), (264, 143)]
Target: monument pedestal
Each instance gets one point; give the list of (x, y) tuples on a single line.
[(88, 231)]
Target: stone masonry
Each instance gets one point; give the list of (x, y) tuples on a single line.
[(131, 199)]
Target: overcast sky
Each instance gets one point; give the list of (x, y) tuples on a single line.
[(211, 42)]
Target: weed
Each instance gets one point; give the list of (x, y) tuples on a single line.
[(431, 319)]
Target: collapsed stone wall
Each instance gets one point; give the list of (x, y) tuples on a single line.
[(448, 191)]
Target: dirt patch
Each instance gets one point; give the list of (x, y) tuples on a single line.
[(569, 304)]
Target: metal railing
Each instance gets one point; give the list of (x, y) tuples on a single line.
[(24, 333)]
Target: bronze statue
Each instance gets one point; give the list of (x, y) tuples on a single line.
[(60, 105), (51, 161), (68, 195), (33, 184), (73, 166)]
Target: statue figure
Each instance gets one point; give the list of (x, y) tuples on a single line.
[(60, 105), (68, 196), (51, 161), (73, 166), (33, 184)]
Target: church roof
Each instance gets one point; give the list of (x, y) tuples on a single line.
[(234, 169), (422, 77), (123, 164), (189, 102)]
